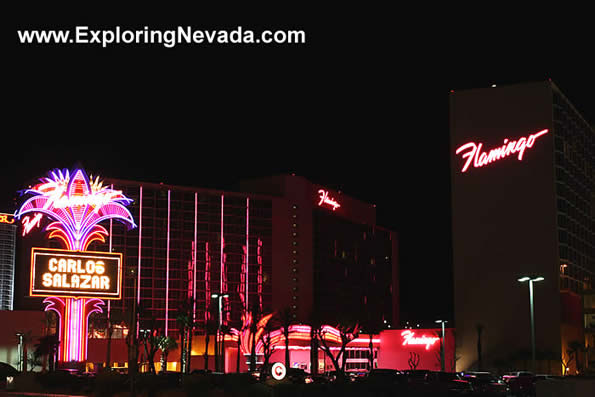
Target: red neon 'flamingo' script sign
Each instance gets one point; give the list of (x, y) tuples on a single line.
[(409, 338), (473, 154), (325, 199)]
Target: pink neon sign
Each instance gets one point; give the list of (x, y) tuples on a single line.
[(409, 338), (29, 224), (325, 199), (473, 155), (76, 204)]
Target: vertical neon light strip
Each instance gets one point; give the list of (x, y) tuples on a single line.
[(78, 326), (109, 302), (72, 337), (140, 244), (194, 252), (167, 267), (66, 346), (222, 267), (247, 291)]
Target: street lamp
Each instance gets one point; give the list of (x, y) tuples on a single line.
[(442, 347), (531, 280), (219, 297)]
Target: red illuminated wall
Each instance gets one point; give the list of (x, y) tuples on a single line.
[(393, 354)]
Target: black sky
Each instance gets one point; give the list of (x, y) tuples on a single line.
[(361, 107)]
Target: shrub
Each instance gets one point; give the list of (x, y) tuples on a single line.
[(198, 385), (108, 383), (28, 382)]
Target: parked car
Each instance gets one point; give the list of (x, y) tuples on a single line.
[(487, 384), (6, 370), (521, 383), (539, 377), (516, 374), (200, 372), (416, 375), (296, 375), (386, 376), (318, 379), (459, 387), (437, 383)]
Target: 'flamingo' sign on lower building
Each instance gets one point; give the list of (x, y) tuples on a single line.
[(409, 338), (473, 155), (326, 200)]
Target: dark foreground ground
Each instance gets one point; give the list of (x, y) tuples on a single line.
[(236, 385)]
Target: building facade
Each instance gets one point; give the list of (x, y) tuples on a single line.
[(331, 260), (276, 243), (523, 203), (8, 230), (190, 244)]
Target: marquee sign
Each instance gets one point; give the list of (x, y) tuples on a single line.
[(65, 273), (74, 280), (473, 155)]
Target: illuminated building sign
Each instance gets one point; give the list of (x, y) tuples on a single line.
[(30, 222), (6, 218), (76, 204), (278, 371), (66, 273), (409, 338), (473, 155), (326, 200), (74, 279)]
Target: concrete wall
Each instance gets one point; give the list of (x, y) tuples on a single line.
[(504, 224), (33, 322)]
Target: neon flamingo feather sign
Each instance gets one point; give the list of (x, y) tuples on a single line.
[(473, 155), (76, 204)]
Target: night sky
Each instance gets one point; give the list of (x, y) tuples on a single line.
[(361, 107)]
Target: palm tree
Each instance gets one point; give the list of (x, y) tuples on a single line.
[(210, 328), (286, 319), (315, 325), (479, 328), (347, 333), (47, 346), (254, 314), (268, 349), (166, 344), (151, 343), (184, 320), (106, 321), (373, 327), (574, 348)]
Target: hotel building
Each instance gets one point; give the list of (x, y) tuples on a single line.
[(275, 243), (7, 260), (523, 205)]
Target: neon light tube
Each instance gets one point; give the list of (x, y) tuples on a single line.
[(247, 288), (473, 155), (167, 267)]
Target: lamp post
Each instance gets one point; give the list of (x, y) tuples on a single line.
[(219, 344), (531, 280), (442, 364)]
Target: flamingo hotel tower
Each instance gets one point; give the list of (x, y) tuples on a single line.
[(523, 206)]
